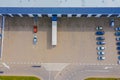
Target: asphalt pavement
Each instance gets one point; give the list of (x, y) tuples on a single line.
[(70, 72)]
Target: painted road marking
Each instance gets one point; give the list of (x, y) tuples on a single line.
[(5, 65), (97, 70), (86, 64), (108, 67)]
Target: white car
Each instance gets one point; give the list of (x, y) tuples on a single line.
[(100, 53), (99, 28), (101, 58), (99, 48), (112, 23), (34, 40)]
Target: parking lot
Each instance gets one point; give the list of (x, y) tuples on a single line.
[(76, 41)]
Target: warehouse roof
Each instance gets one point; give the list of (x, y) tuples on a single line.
[(65, 10)]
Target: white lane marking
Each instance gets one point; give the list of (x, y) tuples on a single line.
[(105, 64), (97, 70), (101, 64), (97, 64), (5, 65), (112, 64), (17, 63), (28, 63), (108, 64), (93, 64), (84, 64), (14, 62), (38, 62), (108, 67), (57, 75), (34, 62)]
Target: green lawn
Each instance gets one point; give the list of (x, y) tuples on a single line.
[(102, 79), (18, 78)]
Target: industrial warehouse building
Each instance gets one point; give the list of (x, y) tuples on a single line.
[(60, 39)]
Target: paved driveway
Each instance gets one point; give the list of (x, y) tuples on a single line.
[(76, 45)]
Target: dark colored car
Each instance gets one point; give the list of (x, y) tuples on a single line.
[(119, 57), (100, 33), (0, 36), (118, 62), (100, 43), (117, 33), (117, 38), (118, 43), (36, 66), (118, 48), (35, 29), (1, 72), (118, 52), (100, 38)]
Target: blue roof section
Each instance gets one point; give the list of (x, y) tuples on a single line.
[(37, 10), (54, 18)]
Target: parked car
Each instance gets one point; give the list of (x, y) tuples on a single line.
[(117, 38), (35, 29), (36, 66), (112, 23), (99, 28), (0, 36), (100, 33), (100, 38), (118, 57), (100, 48), (101, 58), (118, 48), (100, 43), (117, 33), (34, 40), (117, 29), (118, 61), (118, 52), (1, 72), (100, 53), (118, 43)]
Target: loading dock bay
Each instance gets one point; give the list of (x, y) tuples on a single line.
[(76, 41)]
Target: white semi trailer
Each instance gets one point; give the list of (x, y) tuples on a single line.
[(54, 30)]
